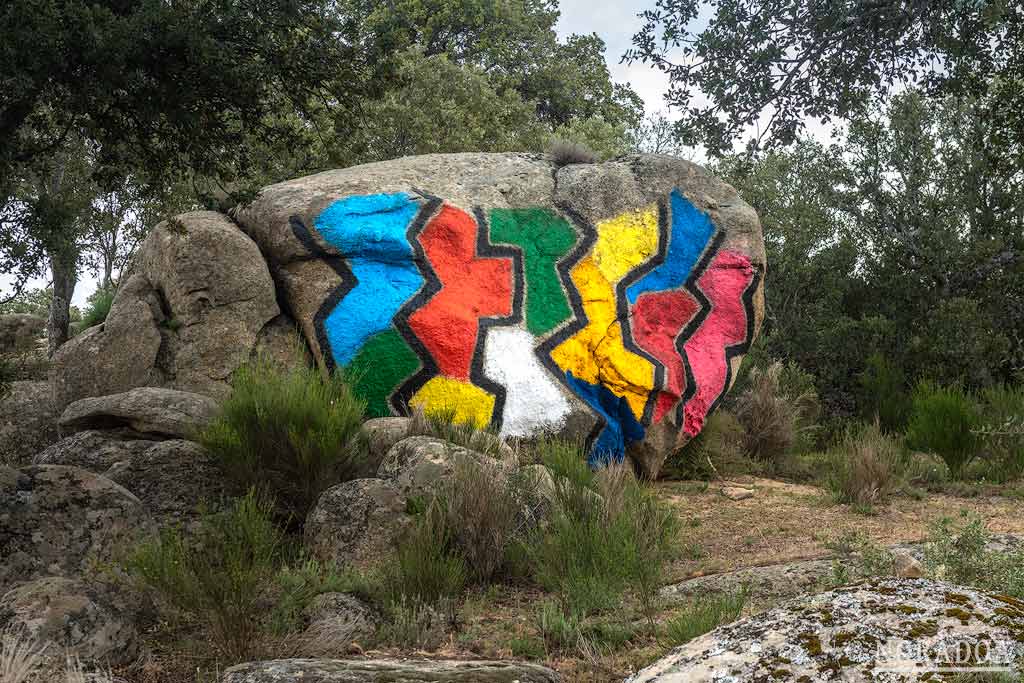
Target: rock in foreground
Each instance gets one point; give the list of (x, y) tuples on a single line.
[(853, 634), (388, 671)]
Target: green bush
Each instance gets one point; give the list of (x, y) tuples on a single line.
[(883, 393), (944, 421), (864, 466), (97, 309), (957, 552), (291, 433), (220, 575), (425, 569), (1002, 431), (701, 616), (605, 534)]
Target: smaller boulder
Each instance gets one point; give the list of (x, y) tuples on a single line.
[(92, 450), (384, 432), (172, 479), (356, 522), (163, 413), (28, 422), (336, 620), (386, 671), (20, 331), (907, 566), (57, 520), (420, 464), (73, 619), (737, 493)]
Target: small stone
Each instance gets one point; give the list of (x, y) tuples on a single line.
[(907, 566), (736, 493)]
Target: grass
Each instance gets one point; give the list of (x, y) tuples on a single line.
[(220, 575), (701, 616), (290, 433), (776, 420), (443, 423), (19, 657), (717, 450), (863, 467), (565, 153), (956, 552)]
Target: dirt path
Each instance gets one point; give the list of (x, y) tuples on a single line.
[(786, 522)]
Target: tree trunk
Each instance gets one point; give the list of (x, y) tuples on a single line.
[(65, 277)]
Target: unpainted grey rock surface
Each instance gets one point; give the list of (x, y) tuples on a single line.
[(417, 465), (93, 450), (196, 307), (851, 634), (384, 432), (172, 479), (356, 522), (20, 331), (28, 422), (147, 411), (71, 619), (58, 521), (388, 671)]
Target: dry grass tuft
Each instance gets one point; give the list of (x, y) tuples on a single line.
[(19, 657), (565, 153), (773, 420), (865, 466)]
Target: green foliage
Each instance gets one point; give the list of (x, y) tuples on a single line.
[(425, 570), (296, 586), (33, 302), (944, 421), (884, 393), (605, 534), (98, 307), (864, 466), (716, 451), (292, 433), (1002, 431), (956, 551), (443, 423), (220, 574), (701, 616)]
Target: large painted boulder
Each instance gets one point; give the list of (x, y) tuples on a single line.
[(612, 301)]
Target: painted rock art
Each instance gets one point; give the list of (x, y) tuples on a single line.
[(576, 307)]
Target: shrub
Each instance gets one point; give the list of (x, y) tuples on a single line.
[(883, 393), (484, 509), (944, 421), (290, 433), (703, 615), (957, 552), (592, 550), (411, 624), (863, 467), (220, 574), (425, 568), (1002, 431), (19, 657), (773, 421), (296, 586), (97, 309), (564, 153), (716, 450)]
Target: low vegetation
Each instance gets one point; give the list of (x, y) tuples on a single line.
[(291, 433), (864, 466), (701, 616)]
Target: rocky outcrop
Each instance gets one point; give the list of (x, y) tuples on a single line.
[(57, 520), (418, 465), (28, 422), (20, 331), (93, 450), (154, 412), (200, 302), (173, 480), (388, 671), (335, 621), (852, 634), (356, 523), (611, 302), (71, 619)]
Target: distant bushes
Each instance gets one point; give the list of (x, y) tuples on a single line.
[(944, 421), (290, 433)]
